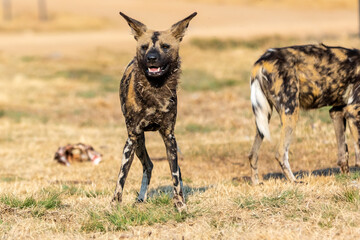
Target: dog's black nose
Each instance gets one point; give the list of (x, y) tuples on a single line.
[(152, 57)]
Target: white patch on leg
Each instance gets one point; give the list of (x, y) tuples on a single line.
[(176, 174), (286, 159)]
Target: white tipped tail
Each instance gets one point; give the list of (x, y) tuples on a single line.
[(261, 108)]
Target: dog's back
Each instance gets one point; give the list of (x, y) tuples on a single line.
[(321, 74)]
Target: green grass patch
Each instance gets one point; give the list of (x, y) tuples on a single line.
[(275, 201), (78, 191), (197, 80), (349, 195), (328, 216), (159, 209), (94, 223), (231, 43), (284, 198), (247, 202), (342, 178), (50, 201)]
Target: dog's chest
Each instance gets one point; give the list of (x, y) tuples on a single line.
[(155, 114), (150, 108)]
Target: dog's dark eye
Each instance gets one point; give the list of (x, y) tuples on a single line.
[(145, 47), (165, 46)]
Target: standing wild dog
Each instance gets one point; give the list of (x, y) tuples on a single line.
[(149, 102), (308, 77)]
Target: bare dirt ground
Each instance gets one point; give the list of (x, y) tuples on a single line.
[(59, 83)]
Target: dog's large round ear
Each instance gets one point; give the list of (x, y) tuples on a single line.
[(137, 28), (178, 29)]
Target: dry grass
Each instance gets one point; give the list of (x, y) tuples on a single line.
[(50, 101)]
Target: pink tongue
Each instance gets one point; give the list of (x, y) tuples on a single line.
[(154, 69)]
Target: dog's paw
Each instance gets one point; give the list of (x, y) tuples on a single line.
[(180, 204), (181, 207), (116, 200), (139, 200)]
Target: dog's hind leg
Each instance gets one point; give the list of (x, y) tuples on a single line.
[(289, 116), (127, 158), (339, 121), (262, 111), (253, 157), (352, 114), (288, 123), (142, 154), (171, 150)]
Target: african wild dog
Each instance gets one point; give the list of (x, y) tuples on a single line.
[(149, 101), (308, 77)]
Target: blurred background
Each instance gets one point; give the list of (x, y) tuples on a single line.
[(62, 26)]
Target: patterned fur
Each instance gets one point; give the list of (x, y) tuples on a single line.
[(149, 102), (307, 77)]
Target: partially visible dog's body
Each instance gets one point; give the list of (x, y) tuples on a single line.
[(307, 77), (149, 101)]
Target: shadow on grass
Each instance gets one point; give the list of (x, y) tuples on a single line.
[(318, 172), (168, 190), (302, 173)]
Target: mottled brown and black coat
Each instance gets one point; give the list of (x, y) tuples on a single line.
[(307, 77), (149, 102)]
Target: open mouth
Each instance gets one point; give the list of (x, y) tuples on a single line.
[(156, 71)]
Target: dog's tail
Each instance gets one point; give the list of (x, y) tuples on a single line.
[(260, 104)]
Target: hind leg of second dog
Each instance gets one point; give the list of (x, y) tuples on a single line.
[(339, 121), (288, 123), (352, 116), (253, 158)]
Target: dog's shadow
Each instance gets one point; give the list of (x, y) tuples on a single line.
[(169, 190), (301, 174)]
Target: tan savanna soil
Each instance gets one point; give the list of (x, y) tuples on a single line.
[(59, 83)]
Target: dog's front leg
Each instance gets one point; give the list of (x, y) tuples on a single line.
[(171, 150), (127, 158), (142, 154)]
